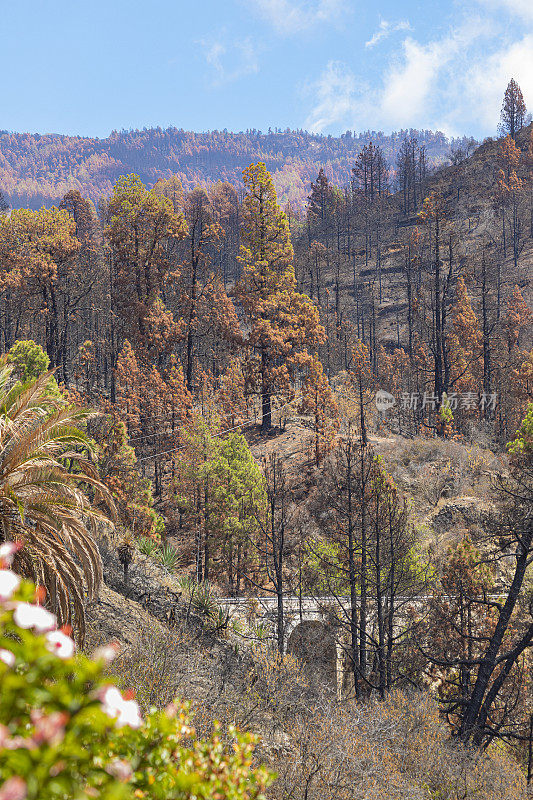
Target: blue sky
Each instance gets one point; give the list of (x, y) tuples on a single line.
[(326, 65)]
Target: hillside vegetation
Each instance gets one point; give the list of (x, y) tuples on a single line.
[(39, 169), (329, 406)]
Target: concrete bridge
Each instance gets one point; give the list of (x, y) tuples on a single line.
[(296, 611), (310, 630)]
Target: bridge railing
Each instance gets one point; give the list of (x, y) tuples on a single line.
[(292, 601)]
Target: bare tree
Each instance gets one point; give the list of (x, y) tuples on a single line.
[(493, 631)]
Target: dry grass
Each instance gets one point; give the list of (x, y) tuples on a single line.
[(321, 750), (394, 750), (431, 469)]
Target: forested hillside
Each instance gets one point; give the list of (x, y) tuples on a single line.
[(210, 400), (39, 169)]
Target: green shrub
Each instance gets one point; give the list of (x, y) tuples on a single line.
[(200, 596), (169, 557), (30, 361), (523, 441), (66, 733), (148, 546)]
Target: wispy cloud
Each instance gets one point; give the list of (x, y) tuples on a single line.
[(518, 8), (385, 29), (230, 59), (334, 97), (454, 83), (412, 82), (486, 80), (293, 16)]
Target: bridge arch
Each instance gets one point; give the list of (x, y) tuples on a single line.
[(314, 644)]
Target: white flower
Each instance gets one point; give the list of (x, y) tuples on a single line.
[(111, 700), (59, 643), (130, 715), (7, 657), (29, 616), (126, 711), (7, 551), (9, 583)]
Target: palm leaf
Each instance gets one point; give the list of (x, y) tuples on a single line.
[(51, 496)]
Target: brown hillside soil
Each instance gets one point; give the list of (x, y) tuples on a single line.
[(450, 483)]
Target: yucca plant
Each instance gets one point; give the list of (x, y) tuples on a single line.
[(261, 632), (46, 476), (186, 584), (220, 619), (237, 626), (169, 557), (147, 546), (200, 596), (204, 600)]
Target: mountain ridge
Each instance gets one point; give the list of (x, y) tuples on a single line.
[(39, 169)]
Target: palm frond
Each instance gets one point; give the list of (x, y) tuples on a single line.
[(51, 496)]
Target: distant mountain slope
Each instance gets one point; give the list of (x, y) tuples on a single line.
[(39, 169)]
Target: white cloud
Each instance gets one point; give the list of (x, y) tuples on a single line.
[(385, 29), (410, 80), (334, 97), (485, 82), (454, 82), (424, 85), (293, 16), (214, 53), (413, 79), (518, 8), (230, 61)]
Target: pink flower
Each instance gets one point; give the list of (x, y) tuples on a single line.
[(171, 710), (60, 644), (107, 652), (126, 711), (7, 551), (15, 742), (9, 583), (48, 728), (13, 789), (121, 770), (29, 616), (7, 657)]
